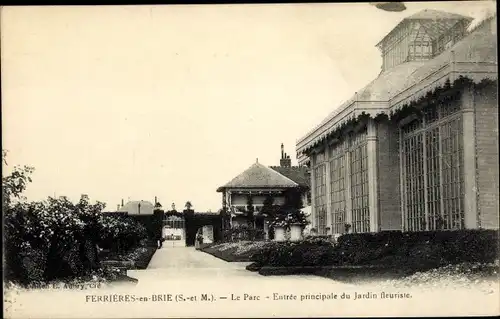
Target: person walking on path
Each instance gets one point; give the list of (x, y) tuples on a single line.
[(199, 238), (159, 242)]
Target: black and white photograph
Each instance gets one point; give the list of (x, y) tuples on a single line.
[(250, 160)]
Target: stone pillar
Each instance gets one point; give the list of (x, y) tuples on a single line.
[(314, 223), (372, 175), (329, 221), (347, 179), (469, 160), (229, 205)]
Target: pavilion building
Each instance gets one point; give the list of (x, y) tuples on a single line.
[(417, 148), (257, 184)]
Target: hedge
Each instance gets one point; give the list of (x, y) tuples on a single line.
[(412, 251)]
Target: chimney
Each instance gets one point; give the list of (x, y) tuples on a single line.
[(156, 200), (122, 203), (282, 151), (285, 160), (118, 207)]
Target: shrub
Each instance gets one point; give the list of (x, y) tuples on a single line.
[(53, 239), (120, 233), (243, 233), (311, 252), (263, 256), (56, 230), (412, 250), (57, 239)]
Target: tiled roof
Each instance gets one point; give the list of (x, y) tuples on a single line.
[(298, 174), (259, 176), (146, 208)]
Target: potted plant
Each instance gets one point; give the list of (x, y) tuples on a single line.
[(289, 219), (347, 227), (297, 221), (279, 226), (293, 223)]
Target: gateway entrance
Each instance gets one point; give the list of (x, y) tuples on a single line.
[(174, 231)]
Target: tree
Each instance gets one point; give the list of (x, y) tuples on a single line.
[(13, 185), (293, 201), (269, 208), (250, 211)]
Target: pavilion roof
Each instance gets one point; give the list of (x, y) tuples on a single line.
[(259, 176)]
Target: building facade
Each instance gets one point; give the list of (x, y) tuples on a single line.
[(417, 148), (261, 185)]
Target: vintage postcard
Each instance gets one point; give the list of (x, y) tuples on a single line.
[(250, 160)]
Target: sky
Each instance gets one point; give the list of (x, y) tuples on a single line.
[(133, 102)]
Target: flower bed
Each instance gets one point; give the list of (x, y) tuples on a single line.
[(141, 257), (137, 258), (241, 251)]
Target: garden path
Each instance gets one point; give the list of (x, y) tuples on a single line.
[(179, 263), (191, 273)]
